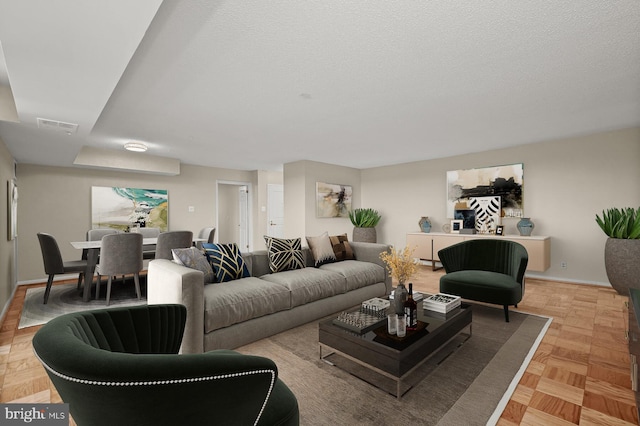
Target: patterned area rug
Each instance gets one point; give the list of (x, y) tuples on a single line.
[(469, 386), (65, 298)]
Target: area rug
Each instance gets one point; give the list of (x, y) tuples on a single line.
[(66, 298), (468, 383)]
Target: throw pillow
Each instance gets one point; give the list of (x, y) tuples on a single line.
[(284, 254), (193, 258), (321, 249), (226, 261), (341, 247)]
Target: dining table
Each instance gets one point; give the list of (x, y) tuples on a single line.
[(93, 252)]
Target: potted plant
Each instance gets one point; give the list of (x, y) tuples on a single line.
[(364, 222), (401, 265), (622, 249)]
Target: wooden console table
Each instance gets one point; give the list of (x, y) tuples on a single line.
[(428, 244)]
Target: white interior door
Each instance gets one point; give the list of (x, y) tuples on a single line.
[(275, 210)]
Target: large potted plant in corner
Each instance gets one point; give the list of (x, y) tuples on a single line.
[(622, 250), (364, 222)]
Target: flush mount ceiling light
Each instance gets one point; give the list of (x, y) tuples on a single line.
[(135, 146)]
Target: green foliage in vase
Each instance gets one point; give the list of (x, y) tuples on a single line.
[(364, 218), (621, 223)]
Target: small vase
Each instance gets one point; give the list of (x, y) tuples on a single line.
[(525, 226), (399, 297), (425, 224)]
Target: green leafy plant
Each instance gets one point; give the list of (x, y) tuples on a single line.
[(621, 223), (364, 218)]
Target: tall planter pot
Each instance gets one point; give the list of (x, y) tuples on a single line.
[(622, 263), (365, 235)]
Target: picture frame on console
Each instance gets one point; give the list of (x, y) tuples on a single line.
[(456, 226), (500, 230)]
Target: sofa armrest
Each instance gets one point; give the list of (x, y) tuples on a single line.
[(370, 252), (168, 282)]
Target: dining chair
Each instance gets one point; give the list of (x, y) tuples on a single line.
[(53, 263), (148, 250), (171, 240), (96, 235), (208, 233), (120, 254)]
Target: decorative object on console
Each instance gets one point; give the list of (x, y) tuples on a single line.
[(425, 224), (321, 249), (284, 254), (446, 228), (525, 226), (195, 259), (333, 200), (401, 265), (500, 230), (487, 210), (341, 248), (456, 226), (622, 249), (226, 261), (504, 181), (364, 222)]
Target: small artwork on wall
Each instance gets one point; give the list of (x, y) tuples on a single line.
[(12, 209), (505, 182), (333, 200), (121, 208)]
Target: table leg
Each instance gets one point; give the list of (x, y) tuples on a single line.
[(92, 260)]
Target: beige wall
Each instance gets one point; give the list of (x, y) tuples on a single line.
[(8, 275), (566, 183), (57, 200), (300, 198)]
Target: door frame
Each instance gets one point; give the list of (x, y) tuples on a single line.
[(249, 206)]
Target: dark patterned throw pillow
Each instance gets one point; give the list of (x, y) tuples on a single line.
[(341, 247), (284, 254), (226, 261)]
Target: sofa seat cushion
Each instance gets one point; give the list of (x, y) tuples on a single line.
[(309, 284), (482, 286), (358, 274), (240, 300)]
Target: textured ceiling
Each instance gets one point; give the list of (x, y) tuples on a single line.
[(252, 84)]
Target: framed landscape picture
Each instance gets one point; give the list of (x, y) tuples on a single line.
[(121, 208)]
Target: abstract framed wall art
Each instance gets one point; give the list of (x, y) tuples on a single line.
[(12, 209), (333, 200), (121, 208), (505, 182)]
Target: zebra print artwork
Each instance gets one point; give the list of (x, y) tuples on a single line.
[(487, 212)]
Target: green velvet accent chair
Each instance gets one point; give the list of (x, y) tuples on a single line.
[(486, 270), (120, 366)]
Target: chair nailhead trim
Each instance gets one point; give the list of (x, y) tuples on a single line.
[(172, 381)]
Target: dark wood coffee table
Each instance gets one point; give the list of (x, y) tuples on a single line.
[(394, 357)]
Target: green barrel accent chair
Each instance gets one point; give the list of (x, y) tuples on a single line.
[(485, 270), (120, 366)]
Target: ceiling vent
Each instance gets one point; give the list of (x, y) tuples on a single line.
[(57, 126)]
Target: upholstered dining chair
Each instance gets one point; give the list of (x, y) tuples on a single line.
[(120, 254), (53, 263), (149, 250), (208, 234), (171, 240), (121, 366), (96, 235)]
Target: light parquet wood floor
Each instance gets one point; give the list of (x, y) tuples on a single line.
[(579, 374)]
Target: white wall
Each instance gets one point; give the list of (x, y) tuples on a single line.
[(300, 198), (8, 275), (566, 183), (57, 200)]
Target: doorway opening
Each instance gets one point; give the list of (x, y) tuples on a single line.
[(233, 207)]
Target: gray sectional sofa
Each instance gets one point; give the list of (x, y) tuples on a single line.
[(234, 313)]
